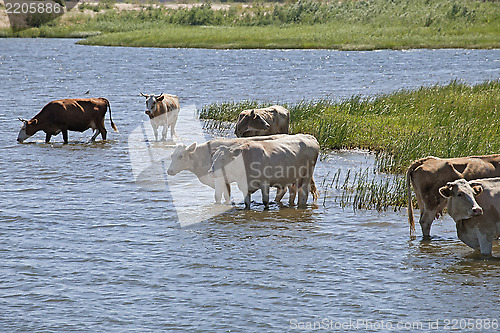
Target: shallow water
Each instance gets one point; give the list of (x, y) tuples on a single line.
[(87, 246)]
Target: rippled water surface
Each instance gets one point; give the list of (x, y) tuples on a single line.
[(85, 247)]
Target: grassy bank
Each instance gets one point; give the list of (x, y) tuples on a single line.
[(350, 25), (444, 121)]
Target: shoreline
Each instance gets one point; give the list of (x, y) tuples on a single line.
[(301, 25)]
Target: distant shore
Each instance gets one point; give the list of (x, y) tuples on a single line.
[(346, 25)]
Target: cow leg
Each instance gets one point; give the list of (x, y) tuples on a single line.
[(219, 189), (426, 219), (265, 194), (164, 133), (47, 137), (103, 133), (303, 189), (172, 131), (155, 131), (484, 244), (96, 133), (227, 194), (65, 135), (292, 193), (247, 201), (279, 194)]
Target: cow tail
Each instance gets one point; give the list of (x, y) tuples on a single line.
[(113, 126), (412, 168), (314, 190), (411, 218)]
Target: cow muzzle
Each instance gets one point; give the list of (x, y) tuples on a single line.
[(477, 211)]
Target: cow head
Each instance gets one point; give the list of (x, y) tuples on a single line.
[(221, 159), (250, 122), (152, 103), (182, 159), (462, 204), (28, 128)]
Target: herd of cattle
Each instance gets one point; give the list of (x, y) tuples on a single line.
[(264, 155)]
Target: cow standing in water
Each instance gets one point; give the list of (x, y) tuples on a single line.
[(279, 163), (475, 207), (163, 110), (65, 115), (256, 122), (428, 174), (197, 158), (267, 121)]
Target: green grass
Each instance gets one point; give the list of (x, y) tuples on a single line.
[(348, 25), (444, 121)]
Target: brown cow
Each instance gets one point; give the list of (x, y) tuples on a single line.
[(65, 115), (428, 174), (256, 122)]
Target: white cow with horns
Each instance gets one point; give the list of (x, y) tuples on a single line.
[(163, 110)]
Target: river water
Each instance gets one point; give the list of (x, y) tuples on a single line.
[(86, 246)]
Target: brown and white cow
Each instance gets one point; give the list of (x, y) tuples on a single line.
[(475, 207), (263, 164), (272, 120), (163, 110), (428, 174), (65, 115)]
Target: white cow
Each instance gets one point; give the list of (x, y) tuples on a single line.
[(197, 158), (163, 110), (475, 206), (260, 165)]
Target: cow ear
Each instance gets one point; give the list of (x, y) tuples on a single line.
[(160, 98), (445, 191), (191, 148), (478, 189), (34, 121)]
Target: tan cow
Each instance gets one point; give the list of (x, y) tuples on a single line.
[(197, 158), (65, 115), (428, 174), (475, 207), (272, 120), (163, 110), (270, 163)]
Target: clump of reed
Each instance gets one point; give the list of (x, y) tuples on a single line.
[(452, 120), (364, 189)]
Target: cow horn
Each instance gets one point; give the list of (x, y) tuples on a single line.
[(21, 119), (144, 95)]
